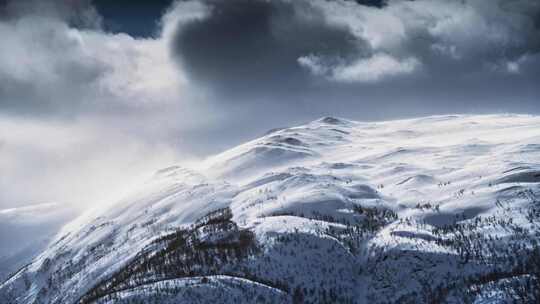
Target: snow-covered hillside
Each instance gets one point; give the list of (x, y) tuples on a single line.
[(429, 210), (26, 231)]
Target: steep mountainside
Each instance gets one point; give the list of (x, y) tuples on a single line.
[(26, 231), (442, 209)]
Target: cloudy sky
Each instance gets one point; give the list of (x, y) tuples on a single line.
[(94, 94)]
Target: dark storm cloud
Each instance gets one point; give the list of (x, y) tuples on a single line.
[(375, 3), (366, 59), (252, 47)]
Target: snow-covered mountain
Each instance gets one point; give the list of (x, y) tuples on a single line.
[(430, 210), (26, 231)]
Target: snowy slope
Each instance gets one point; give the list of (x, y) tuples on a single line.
[(436, 209), (26, 231)]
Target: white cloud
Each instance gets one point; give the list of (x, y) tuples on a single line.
[(314, 64), (181, 13), (366, 70), (79, 163), (380, 28), (512, 67), (85, 112), (375, 68), (83, 68), (525, 63), (479, 33)]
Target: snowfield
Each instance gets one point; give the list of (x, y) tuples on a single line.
[(442, 209)]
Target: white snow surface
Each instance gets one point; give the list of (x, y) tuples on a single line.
[(303, 182)]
